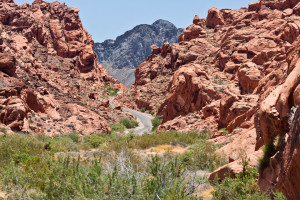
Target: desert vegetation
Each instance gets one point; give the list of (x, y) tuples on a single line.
[(104, 166), (115, 166), (243, 186)]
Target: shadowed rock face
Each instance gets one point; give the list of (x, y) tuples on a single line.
[(284, 172), (120, 57)]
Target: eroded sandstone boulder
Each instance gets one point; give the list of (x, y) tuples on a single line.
[(7, 63), (214, 18), (15, 112)]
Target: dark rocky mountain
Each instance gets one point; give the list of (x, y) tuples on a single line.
[(120, 57)]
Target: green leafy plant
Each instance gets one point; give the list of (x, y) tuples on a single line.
[(224, 131), (117, 127), (95, 140), (143, 109), (269, 151), (155, 122), (129, 124), (242, 186)]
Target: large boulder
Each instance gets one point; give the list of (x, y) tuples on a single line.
[(249, 78), (7, 63), (15, 112), (214, 18), (192, 32)]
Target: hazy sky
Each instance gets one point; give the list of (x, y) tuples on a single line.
[(107, 19)]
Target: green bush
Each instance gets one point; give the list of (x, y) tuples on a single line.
[(74, 137), (63, 144), (3, 130), (19, 148), (152, 112), (155, 122), (243, 186), (95, 140), (167, 137), (114, 93), (143, 109), (37, 174), (202, 155), (117, 127), (129, 124), (269, 151), (66, 178), (224, 131)]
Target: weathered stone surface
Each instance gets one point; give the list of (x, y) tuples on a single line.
[(7, 63), (47, 64), (214, 18)]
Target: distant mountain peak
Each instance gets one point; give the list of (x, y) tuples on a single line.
[(121, 57), (164, 24)]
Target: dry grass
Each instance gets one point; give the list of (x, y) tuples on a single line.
[(160, 149)]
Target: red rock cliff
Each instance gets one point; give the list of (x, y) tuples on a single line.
[(51, 81)]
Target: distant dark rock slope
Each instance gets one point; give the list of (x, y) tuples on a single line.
[(120, 57)]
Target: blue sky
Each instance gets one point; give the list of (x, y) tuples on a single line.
[(107, 19)]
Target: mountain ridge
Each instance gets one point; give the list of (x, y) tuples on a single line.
[(121, 56)]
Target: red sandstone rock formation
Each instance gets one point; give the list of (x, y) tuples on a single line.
[(242, 75), (48, 71)]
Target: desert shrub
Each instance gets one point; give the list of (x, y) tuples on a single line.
[(155, 122), (109, 88), (62, 144), (152, 112), (224, 131), (269, 151), (243, 186), (167, 137), (111, 91), (129, 124), (94, 140), (74, 137), (202, 155), (66, 178), (143, 109), (3, 130), (114, 93), (122, 173), (117, 127), (18, 148)]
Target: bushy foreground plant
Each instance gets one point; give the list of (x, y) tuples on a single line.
[(18, 147), (66, 178), (31, 171), (243, 186)]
